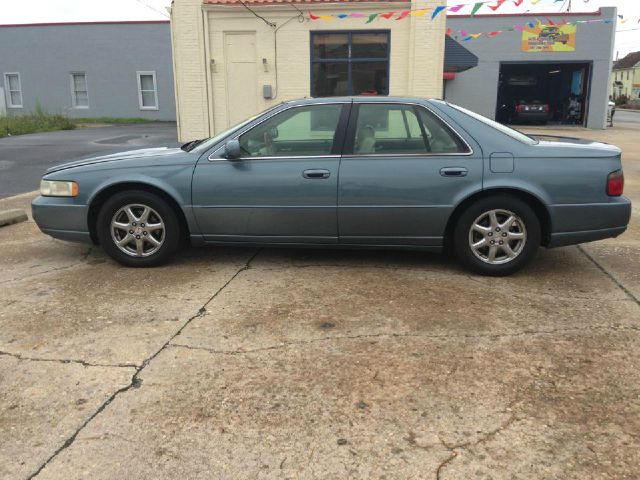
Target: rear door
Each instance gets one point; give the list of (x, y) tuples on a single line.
[(403, 171), (283, 189)]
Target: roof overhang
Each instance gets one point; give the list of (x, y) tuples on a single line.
[(457, 58)]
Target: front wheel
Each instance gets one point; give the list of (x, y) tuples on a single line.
[(497, 235), (138, 229)]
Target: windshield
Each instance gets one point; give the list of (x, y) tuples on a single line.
[(210, 142), (515, 134)]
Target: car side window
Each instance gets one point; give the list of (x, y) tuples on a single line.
[(388, 128), (403, 129), (442, 139), (298, 131)]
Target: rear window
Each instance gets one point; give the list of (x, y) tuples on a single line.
[(515, 134)]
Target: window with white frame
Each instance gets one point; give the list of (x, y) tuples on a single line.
[(79, 91), (14, 90), (147, 91)]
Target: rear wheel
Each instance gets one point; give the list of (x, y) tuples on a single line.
[(138, 229), (497, 235)]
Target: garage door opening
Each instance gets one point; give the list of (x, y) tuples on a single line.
[(541, 93)]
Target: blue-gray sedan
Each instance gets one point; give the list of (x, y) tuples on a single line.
[(358, 171)]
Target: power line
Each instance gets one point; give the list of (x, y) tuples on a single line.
[(141, 2), (271, 24), (294, 6)]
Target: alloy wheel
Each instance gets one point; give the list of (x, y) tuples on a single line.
[(497, 236), (137, 230)]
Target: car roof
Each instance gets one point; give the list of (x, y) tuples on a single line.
[(355, 99)]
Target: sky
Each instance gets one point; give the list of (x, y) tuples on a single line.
[(52, 11)]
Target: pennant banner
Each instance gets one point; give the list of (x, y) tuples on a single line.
[(475, 7), (530, 28)]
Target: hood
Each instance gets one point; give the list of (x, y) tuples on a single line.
[(117, 157), (576, 147)]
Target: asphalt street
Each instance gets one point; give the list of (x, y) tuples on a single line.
[(626, 116), (25, 158)]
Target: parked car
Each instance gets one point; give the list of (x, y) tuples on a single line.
[(530, 111), (346, 172)]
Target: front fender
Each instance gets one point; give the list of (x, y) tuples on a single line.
[(181, 197)]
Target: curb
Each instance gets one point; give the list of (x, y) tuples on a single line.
[(9, 217)]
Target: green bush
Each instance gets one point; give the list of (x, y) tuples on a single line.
[(38, 121), (110, 120), (621, 100)]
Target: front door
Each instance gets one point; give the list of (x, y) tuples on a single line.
[(242, 75), (402, 173), (284, 187)]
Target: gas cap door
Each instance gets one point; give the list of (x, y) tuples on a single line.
[(501, 162)]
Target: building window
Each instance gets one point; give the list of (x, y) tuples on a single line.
[(147, 91), (13, 88), (349, 63), (79, 92)]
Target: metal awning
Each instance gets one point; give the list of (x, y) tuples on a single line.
[(456, 57)]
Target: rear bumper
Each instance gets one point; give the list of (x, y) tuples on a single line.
[(61, 218), (573, 238), (572, 224), (532, 116)]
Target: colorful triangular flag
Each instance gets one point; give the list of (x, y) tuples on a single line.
[(437, 11), (497, 5)]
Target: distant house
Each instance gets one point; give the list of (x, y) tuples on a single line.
[(626, 77), (88, 70)]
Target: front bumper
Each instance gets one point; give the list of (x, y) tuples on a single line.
[(61, 218), (572, 224)]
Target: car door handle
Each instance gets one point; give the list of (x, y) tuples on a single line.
[(316, 173), (454, 172)]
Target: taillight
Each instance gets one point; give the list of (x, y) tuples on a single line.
[(615, 183), (519, 108), (546, 108)]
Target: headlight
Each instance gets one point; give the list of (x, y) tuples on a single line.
[(53, 188)]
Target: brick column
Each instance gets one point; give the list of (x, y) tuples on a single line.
[(426, 51)]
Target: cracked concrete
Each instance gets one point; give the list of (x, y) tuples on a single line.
[(42, 404), (80, 305), (232, 363)]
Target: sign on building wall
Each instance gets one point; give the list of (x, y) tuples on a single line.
[(549, 38)]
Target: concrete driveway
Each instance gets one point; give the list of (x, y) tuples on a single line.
[(25, 158), (243, 363)]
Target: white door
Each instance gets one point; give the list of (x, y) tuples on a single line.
[(242, 76)]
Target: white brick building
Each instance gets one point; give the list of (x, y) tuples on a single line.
[(229, 64)]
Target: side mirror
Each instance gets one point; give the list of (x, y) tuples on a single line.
[(232, 150)]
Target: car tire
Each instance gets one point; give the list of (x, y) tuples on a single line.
[(498, 218), (138, 228)]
